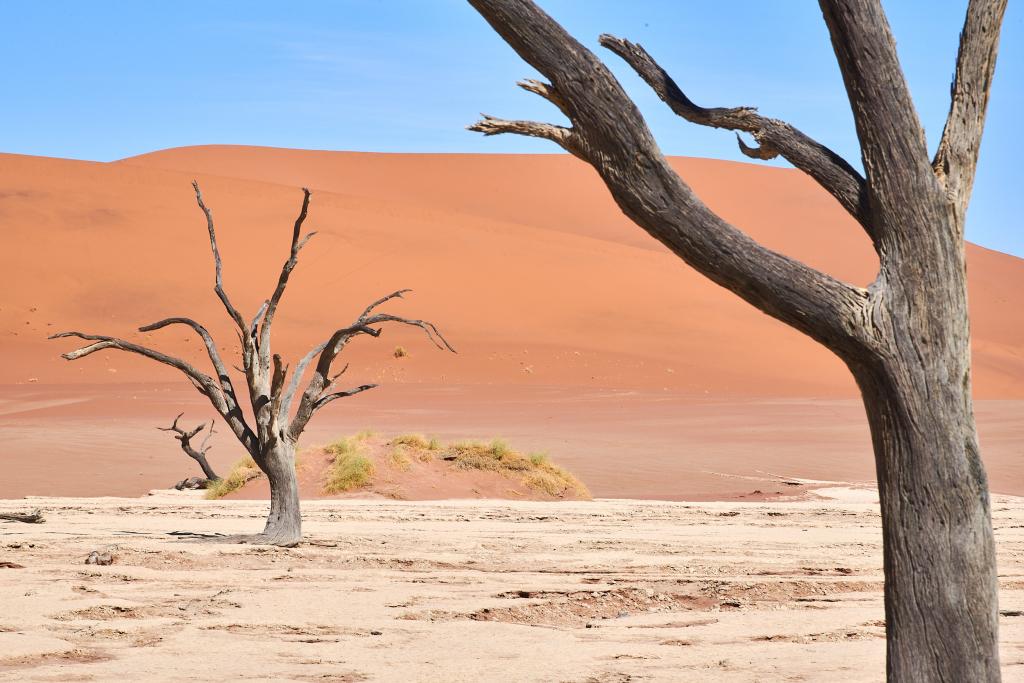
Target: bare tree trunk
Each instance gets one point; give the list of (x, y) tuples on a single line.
[(284, 523), (941, 588)]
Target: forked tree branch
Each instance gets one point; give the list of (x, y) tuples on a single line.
[(956, 159), (200, 380), (546, 91), (211, 349), (320, 382), (613, 137), (270, 391), (773, 136), (293, 383), (300, 368), (185, 437), (490, 125), (181, 433)]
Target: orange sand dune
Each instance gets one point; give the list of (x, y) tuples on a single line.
[(577, 333), (524, 261)]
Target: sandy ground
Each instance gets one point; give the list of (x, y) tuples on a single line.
[(609, 591)]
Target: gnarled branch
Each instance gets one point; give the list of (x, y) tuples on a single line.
[(181, 433), (616, 141), (211, 348), (321, 379), (545, 90), (490, 125), (957, 156), (200, 380), (773, 136), (293, 384), (185, 437)]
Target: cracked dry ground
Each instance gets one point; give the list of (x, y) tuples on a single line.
[(599, 592)]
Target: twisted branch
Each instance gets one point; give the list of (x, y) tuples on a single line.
[(312, 397), (564, 137), (609, 133), (211, 348), (774, 137), (185, 436)]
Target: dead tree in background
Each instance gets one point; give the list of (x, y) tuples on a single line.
[(185, 439), (905, 337), (271, 392)]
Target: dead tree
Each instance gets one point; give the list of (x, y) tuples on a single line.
[(905, 337), (185, 439), (271, 391)]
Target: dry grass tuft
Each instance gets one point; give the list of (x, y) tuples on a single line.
[(343, 446), (350, 468), (348, 472), (399, 460), (534, 471), (400, 352), (241, 472), (421, 447), (413, 440)]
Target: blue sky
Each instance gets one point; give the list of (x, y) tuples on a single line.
[(104, 80)]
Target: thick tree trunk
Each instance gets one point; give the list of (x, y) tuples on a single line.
[(284, 523), (941, 587)]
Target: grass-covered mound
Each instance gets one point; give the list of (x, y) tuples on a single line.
[(413, 467), (534, 470)]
